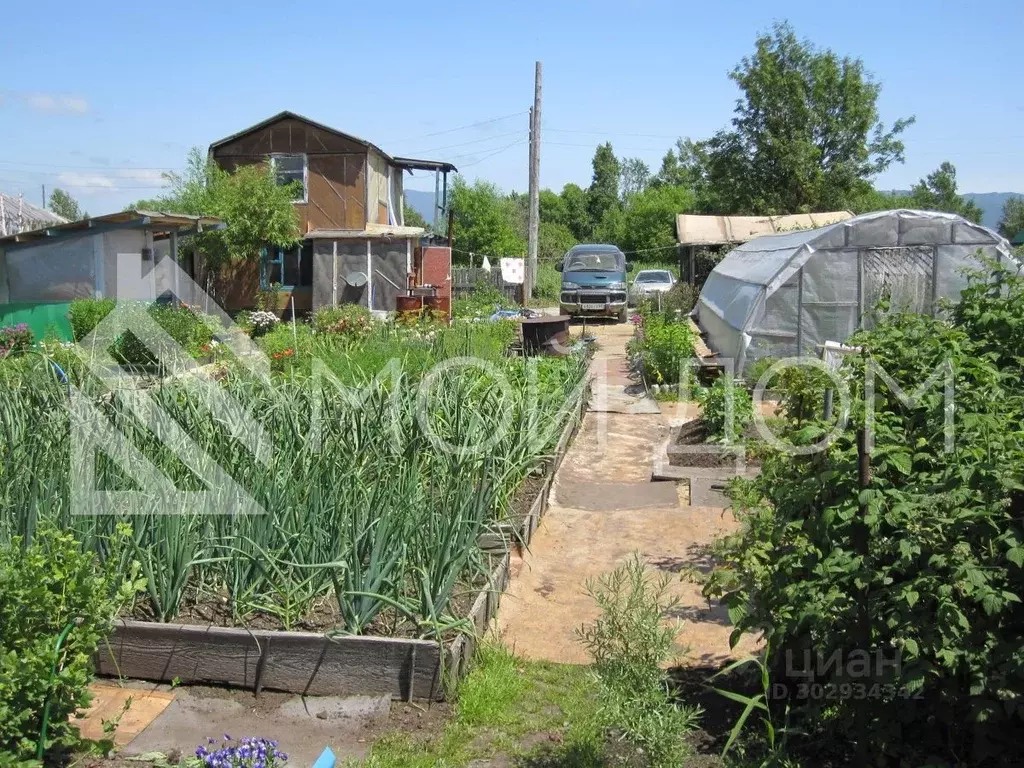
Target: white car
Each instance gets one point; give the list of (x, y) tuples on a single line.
[(649, 282)]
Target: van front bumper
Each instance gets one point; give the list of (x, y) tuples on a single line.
[(592, 303)]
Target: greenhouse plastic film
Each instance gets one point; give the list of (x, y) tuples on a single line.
[(787, 294)]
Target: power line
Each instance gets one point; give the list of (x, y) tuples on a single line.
[(88, 167), (474, 141), (496, 152), (112, 188), (591, 146), (462, 127), (616, 133)]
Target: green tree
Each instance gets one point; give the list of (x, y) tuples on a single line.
[(256, 210), (806, 134), (679, 166), (66, 206), (938, 192), (552, 208), (413, 218), (649, 221), (872, 199), (634, 176), (1011, 223), (485, 220), (577, 212), (604, 188), (553, 241)]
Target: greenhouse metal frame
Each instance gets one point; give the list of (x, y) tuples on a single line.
[(785, 295)]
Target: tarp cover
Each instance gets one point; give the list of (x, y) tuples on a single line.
[(785, 295)]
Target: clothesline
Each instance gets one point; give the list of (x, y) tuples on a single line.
[(626, 253)]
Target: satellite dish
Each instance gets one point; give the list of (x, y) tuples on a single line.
[(356, 279)]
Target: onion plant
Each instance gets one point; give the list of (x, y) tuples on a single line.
[(374, 523)]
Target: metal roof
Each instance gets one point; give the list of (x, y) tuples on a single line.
[(724, 230), (286, 114), (402, 162), (16, 216), (372, 231), (411, 163), (122, 219)]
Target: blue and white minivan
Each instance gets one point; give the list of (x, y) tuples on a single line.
[(594, 281)]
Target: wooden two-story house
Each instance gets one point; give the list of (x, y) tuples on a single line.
[(356, 246)]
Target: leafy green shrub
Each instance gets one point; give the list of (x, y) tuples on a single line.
[(186, 327), (630, 644), (349, 320), (548, 286), (14, 340), (183, 325), (45, 587), (801, 387), (86, 314), (662, 347), (935, 560), (680, 299), (481, 303), (715, 405), (286, 345)]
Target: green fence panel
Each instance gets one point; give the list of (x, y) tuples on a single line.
[(41, 318)]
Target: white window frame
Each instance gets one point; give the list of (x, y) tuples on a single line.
[(305, 172)]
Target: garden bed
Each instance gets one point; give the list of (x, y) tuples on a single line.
[(316, 663), (690, 446)]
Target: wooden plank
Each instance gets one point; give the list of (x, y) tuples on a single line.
[(109, 702), (315, 665), (296, 662), (151, 651)]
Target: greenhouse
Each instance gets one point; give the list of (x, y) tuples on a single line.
[(784, 295)]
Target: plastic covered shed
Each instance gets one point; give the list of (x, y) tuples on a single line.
[(783, 295)]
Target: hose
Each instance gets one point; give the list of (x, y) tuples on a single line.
[(53, 674)]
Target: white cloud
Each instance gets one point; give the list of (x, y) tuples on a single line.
[(145, 179), (75, 179), (55, 103)]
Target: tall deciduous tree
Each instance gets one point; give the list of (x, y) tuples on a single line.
[(806, 134), (485, 220), (66, 206), (257, 211), (938, 192), (1011, 223), (577, 212), (648, 223), (634, 176), (603, 194)]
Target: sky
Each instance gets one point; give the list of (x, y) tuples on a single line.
[(101, 99)]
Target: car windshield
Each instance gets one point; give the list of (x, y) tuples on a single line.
[(600, 261), (654, 277)]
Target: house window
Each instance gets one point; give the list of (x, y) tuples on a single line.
[(289, 169), (287, 269)]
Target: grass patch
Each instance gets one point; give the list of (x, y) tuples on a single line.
[(534, 713)]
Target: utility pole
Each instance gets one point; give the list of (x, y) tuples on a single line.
[(534, 223), (44, 197)]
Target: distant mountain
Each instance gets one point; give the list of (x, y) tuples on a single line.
[(422, 202), (991, 204)]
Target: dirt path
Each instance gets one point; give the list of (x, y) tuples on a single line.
[(604, 507)]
